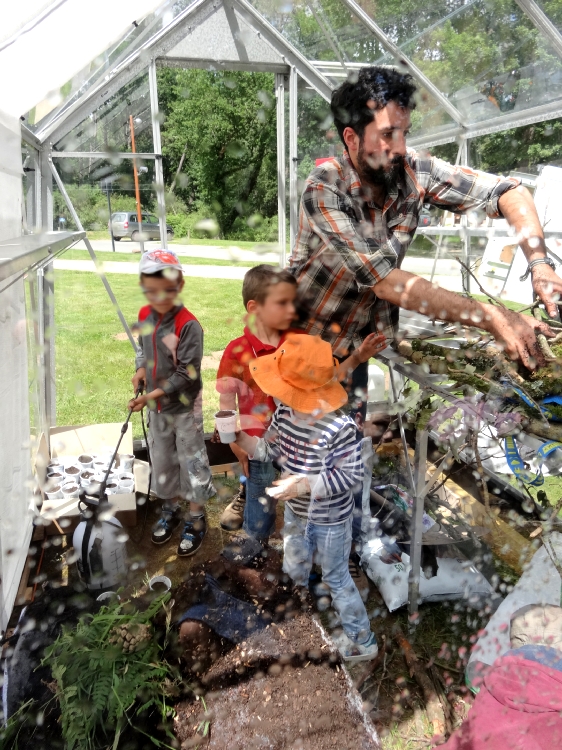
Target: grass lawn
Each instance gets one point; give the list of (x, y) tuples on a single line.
[(94, 369), (74, 254)]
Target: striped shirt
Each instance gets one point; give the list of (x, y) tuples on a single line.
[(346, 245), (326, 453)]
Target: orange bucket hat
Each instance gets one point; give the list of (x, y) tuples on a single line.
[(302, 374)]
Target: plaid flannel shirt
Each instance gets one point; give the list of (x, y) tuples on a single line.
[(345, 245)]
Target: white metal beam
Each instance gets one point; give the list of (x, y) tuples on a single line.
[(404, 61), (158, 167), (101, 154), (494, 125), (293, 158), (288, 53), (542, 23), (164, 41), (132, 66), (281, 207)]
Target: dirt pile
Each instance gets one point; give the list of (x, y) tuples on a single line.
[(286, 689)]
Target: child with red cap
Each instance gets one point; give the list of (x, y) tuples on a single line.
[(169, 362)]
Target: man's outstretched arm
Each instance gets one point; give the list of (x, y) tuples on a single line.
[(518, 208), (516, 332)]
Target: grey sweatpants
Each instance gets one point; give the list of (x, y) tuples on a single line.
[(180, 466)]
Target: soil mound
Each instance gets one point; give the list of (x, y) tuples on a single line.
[(289, 691)]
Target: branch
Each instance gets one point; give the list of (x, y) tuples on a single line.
[(479, 285)]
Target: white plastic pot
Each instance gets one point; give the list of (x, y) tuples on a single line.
[(126, 485), (55, 493), (73, 472), (159, 584), (126, 462), (86, 481), (85, 461), (71, 489)]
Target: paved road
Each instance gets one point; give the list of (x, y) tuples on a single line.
[(421, 266), (210, 272)]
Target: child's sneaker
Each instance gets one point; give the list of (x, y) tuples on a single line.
[(192, 536), (232, 516), (165, 526), (355, 652)]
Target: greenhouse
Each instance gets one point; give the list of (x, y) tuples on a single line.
[(339, 221)]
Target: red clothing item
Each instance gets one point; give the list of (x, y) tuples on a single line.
[(233, 376), (519, 707)]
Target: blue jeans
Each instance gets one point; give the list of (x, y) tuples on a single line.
[(331, 546), (260, 509)]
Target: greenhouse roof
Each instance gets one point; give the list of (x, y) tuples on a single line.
[(481, 65)]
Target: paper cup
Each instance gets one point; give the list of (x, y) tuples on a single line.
[(126, 485), (87, 477), (226, 425), (112, 488), (126, 462), (85, 461)]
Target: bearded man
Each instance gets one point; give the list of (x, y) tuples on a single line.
[(359, 214)]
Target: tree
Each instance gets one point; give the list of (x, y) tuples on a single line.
[(224, 123)]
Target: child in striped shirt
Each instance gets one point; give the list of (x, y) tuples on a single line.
[(316, 445)]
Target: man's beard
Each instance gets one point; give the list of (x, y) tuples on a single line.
[(386, 177)]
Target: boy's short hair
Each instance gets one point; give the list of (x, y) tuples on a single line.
[(258, 280)]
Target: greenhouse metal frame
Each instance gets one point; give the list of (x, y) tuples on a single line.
[(233, 35)]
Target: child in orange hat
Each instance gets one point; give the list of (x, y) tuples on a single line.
[(322, 469)]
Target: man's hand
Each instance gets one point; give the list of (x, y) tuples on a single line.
[(289, 487), (138, 403), (137, 377), (548, 287), (518, 334), (242, 457), (372, 345)]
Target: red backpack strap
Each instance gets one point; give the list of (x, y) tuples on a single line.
[(144, 312), (183, 317)]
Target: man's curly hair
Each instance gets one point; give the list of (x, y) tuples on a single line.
[(378, 83)]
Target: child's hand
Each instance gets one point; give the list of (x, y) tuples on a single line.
[(139, 376), (289, 487), (373, 344), (138, 404)]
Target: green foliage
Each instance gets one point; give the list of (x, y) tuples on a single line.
[(102, 688), (224, 125)]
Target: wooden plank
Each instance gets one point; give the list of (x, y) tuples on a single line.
[(22, 596), (507, 543), (229, 469)]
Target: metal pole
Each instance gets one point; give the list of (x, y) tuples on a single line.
[(157, 145), (47, 296), (391, 375), (136, 176), (293, 157), (281, 200), (110, 220), (465, 237), (99, 266), (417, 526)]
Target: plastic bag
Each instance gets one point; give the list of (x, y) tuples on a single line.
[(455, 579)]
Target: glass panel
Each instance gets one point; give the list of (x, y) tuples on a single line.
[(108, 128), (489, 60), (553, 10), (58, 101)]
